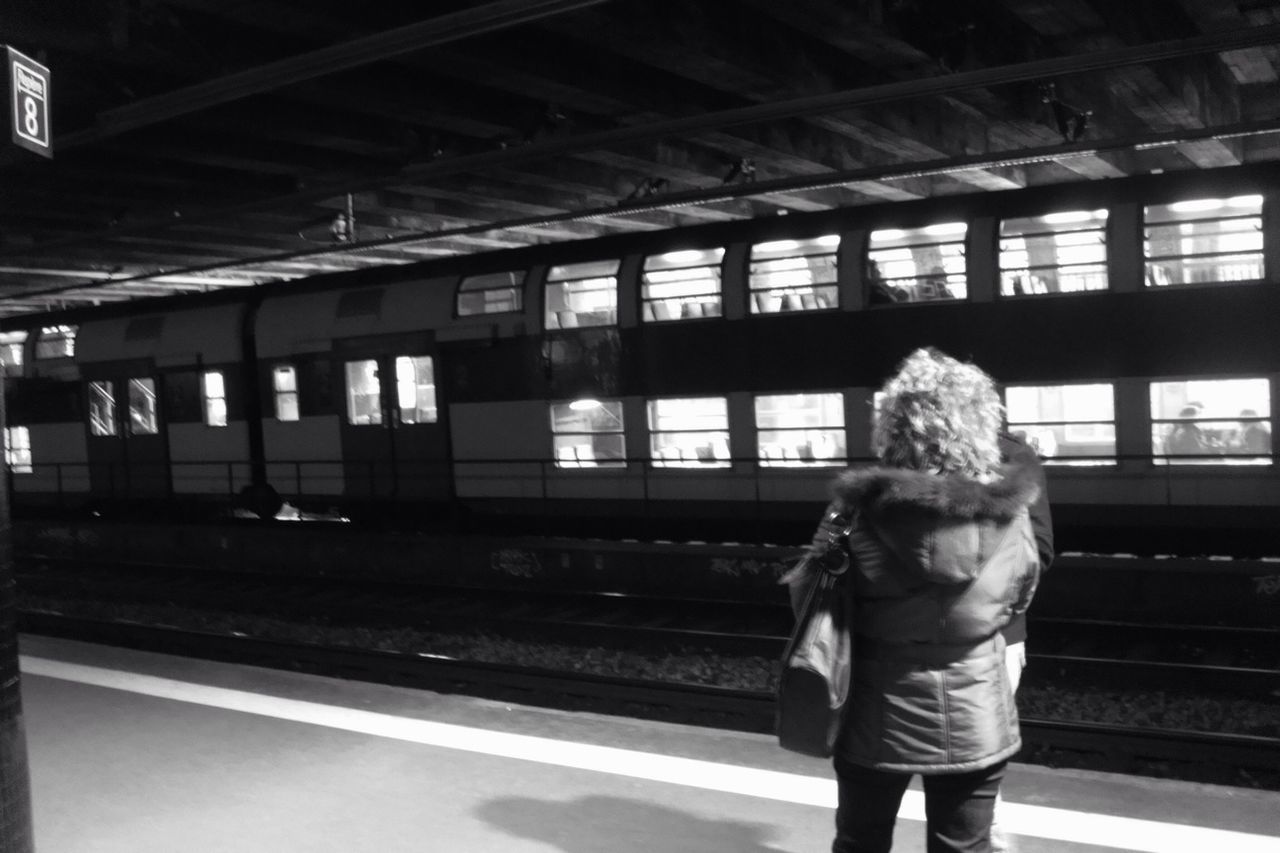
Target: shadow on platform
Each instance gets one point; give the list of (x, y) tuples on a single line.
[(592, 824)]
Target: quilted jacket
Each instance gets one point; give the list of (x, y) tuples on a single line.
[(941, 564)]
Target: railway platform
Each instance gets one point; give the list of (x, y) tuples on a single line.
[(151, 753)]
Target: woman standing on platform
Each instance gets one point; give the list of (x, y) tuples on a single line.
[(943, 558)]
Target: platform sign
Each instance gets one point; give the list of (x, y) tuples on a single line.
[(29, 83)]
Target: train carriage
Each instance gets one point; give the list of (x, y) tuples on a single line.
[(353, 409), (143, 408), (706, 382)]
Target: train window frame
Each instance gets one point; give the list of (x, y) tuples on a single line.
[(285, 399), (144, 406), (101, 408), (583, 281), (1190, 216), (17, 449), (947, 279), (771, 260), (421, 395), (1069, 232), (482, 290), (664, 454), (55, 342), (678, 272), (774, 454), (1209, 428), (213, 392), (577, 449), (356, 414), (1036, 430)]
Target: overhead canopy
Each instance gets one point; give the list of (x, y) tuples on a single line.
[(201, 144)]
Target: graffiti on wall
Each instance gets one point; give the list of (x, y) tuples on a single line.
[(1267, 585), (748, 567), (515, 563)]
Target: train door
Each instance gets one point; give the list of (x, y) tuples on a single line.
[(128, 447), (394, 440)]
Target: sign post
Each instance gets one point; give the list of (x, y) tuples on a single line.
[(29, 113), (29, 85), (15, 784)]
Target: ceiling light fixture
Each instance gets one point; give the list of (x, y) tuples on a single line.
[(743, 171), (1071, 122), (343, 228), (644, 189)]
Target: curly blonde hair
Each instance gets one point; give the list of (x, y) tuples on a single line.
[(939, 415)]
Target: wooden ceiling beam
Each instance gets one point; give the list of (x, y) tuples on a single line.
[(293, 128), (1156, 96), (464, 23), (535, 193), (529, 68), (448, 213), (986, 120), (468, 212), (588, 196), (760, 68)]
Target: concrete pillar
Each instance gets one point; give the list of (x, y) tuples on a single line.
[(15, 784)]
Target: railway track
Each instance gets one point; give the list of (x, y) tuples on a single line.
[(723, 626), (744, 710), (1242, 661)]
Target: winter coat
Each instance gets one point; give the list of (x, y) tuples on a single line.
[(1016, 451), (940, 565)]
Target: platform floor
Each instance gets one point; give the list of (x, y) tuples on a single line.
[(135, 752)]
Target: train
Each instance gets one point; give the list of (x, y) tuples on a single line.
[(699, 383)]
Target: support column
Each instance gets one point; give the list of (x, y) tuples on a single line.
[(15, 784)]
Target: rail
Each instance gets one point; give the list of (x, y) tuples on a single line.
[(1220, 659), (639, 478)]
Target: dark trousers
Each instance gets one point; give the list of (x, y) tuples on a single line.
[(958, 807)]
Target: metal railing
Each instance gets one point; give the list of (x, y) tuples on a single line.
[(635, 477)]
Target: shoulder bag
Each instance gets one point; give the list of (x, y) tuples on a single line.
[(817, 664)]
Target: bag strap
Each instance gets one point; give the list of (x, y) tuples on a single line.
[(827, 553), (832, 555)]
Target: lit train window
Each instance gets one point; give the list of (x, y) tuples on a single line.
[(918, 264), (1066, 424), (284, 384), (796, 430), (1211, 422), (416, 389), (364, 395), (56, 342), (681, 285), (582, 295), (144, 415), (1204, 240), (11, 344), (17, 449), (1064, 252), (492, 293), (794, 275), (689, 433), (215, 398), (588, 434), (102, 408)]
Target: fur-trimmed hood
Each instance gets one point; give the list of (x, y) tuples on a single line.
[(884, 492), (942, 529)]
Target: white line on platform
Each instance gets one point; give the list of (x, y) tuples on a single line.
[(1124, 833)]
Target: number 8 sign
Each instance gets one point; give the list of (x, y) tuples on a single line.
[(29, 83)]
